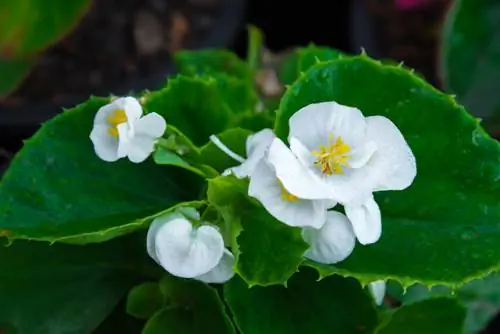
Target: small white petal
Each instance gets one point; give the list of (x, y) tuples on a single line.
[(105, 146), (295, 176), (256, 148), (315, 124), (377, 290), (131, 106), (153, 231), (103, 113), (152, 125), (393, 164), (265, 187), (333, 243), (140, 148), (366, 221), (222, 273), (187, 252)]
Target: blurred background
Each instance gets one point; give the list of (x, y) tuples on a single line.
[(49, 61)]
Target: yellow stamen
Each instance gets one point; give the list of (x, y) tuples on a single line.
[(285, 195), (116, 118), (333, 158)]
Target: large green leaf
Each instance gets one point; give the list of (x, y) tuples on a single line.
[(57, 189), (332, 305), (301, 59), (60, 289), (233, 75), (13, 72), (195, 106), (444, 228), (437, 315), (471, 54), (268, 251), (31, 25), (190, 307), (480, 296)]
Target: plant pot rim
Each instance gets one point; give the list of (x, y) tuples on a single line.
[(29, 117)]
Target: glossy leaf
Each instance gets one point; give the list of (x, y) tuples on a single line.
[(66, 289), (211, 61), (234, 139), (29, 26), (332, 305), (437, 315), (13, 72), (57, 189), (232, 75), (144, 300), (163, 156), (445, 226), (193, 105), (301, 59), (471, 55), (192, 307), (268, 251), (481, 297)]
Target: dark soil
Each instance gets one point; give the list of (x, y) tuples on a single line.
[(411, 36), (117, 43)]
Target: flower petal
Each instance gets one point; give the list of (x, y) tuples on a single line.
[(265, 187), (393, 165), (256, 147), (131, 106), (140, 148), (187, 252), (152, 125), (153, 231), (366, 221), (222, 272), (333, 243), (103, 113), (295, 176), (105, 146), (315, 124), (377, 290)]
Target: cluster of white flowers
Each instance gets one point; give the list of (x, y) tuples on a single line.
[(336, 156)]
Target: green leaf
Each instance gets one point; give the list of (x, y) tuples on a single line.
[(255, 121), (470, 54), (437, 315), (13, 72), (211, 62), (332, 305), (481, 297), (61, 289), (144, 300), (30, 26), (445, 226), (235, 140), (232, 75), (193, 105), (57, 189), (268, 252), (192, 307), (301, 59), (163, 156)]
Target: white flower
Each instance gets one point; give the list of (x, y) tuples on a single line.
[(256, 147), (267, 188), (377, 290), (336, 153), (333, 242), (120, 131), (187, 251)]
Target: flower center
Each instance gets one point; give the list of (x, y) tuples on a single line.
[(285, 195), (331, 159), (116, 118)]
